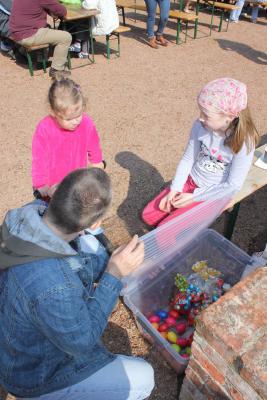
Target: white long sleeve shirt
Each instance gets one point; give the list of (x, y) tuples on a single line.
[(214, 167)]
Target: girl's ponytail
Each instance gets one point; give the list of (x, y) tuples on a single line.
[(64, 93)]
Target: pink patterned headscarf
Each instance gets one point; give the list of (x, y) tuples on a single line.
[(224, 95)]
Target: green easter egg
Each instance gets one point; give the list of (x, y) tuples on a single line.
[(188, 350), (176, 347)]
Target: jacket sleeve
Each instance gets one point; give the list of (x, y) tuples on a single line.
[(54, 7), (240, 166), (39, 157), (74, 322), (94, 151), (187, 161)]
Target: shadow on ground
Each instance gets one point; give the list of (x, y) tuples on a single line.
[(244, 50), (145, 182)]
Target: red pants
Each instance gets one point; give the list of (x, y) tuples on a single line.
[(153, 216)]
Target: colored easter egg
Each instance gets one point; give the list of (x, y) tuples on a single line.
[(155, 325), (170, 321), (163, 327), (164, 334), (174, 314), (190, 340), (176, 347), (185, 355), (180, 327), (162, 314), (172, 337), (183, 342), (154, 318), (188, 351)]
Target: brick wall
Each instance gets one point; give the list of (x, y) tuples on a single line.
[(229, 351)]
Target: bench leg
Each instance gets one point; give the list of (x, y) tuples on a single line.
[(29, 58), (212, 16), (230, 220), (228, 20), (178, 31), (69, 61), (108, 46), (186, 30), (123, 15), (44, 60), (221, 21), (119, 45)]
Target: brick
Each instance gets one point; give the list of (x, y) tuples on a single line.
[(233, 381), (211, 369), (189, 389), (233, 325), (254, 367)]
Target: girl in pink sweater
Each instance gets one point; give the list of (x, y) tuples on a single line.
[(65, 140)]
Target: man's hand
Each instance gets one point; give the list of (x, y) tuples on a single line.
[(166, 202), (182, 200), (126, 258)]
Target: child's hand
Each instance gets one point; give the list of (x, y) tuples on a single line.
[(166, 202), (100, 165), (182, 200)]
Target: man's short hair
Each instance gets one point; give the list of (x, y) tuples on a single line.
[(81, 199)]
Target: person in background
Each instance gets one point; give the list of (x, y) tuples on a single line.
[(28, 26), (52, 314), (164, 6)]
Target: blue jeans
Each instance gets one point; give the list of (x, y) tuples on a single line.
[(151, 6), (125, 378), (235, 14)]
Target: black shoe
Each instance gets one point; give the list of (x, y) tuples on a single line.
[(101, 237), (54, 73)]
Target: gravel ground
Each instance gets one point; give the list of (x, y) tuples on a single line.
[(143, 105)]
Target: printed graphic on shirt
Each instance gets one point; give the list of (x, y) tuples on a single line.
[(209, 161)]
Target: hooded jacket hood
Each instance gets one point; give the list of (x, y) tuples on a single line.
[(24, 237)]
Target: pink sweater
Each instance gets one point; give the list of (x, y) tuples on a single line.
[(56, 151)]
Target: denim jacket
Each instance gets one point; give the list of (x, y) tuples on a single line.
[(52, 317)]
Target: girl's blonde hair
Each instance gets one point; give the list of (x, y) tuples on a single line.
[(242, 130), (65, 93)]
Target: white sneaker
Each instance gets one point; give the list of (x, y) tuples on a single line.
[(4, 47), (75, 47), (234, 21)]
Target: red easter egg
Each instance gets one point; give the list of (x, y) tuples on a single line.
[(181, 327), (155, 325), (190, 320), (185, 355), (190, 340), (154, 318), (174, 314), (170, 321), (183, 342), (163, 327)]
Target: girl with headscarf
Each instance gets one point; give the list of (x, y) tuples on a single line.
[(218, 155)]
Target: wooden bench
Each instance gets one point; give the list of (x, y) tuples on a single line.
[(256, 179), (30, 49), (223, 8), (179, 16), (116, 33)]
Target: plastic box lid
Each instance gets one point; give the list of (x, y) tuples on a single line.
[(161, 243)]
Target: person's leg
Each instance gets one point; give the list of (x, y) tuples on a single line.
[(151, 6), (60, 39), (164, 6), (254, 13), (125, 378), (234, 16), (151, 214)]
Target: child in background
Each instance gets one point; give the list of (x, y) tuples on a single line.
[(64, 141), (218, 156)]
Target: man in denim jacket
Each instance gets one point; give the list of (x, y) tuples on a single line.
[(52, 316)]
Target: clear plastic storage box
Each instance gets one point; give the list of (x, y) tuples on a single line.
[(174, 248)]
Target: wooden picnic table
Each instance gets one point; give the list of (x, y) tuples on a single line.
[(256, 179)]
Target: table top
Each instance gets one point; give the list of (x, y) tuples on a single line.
[(257, 178), (77, 12)]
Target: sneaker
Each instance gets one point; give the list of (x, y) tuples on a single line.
[(234, 21), (5, 47), (75, 47), (54, 73), (254, 21), (83, 54)]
